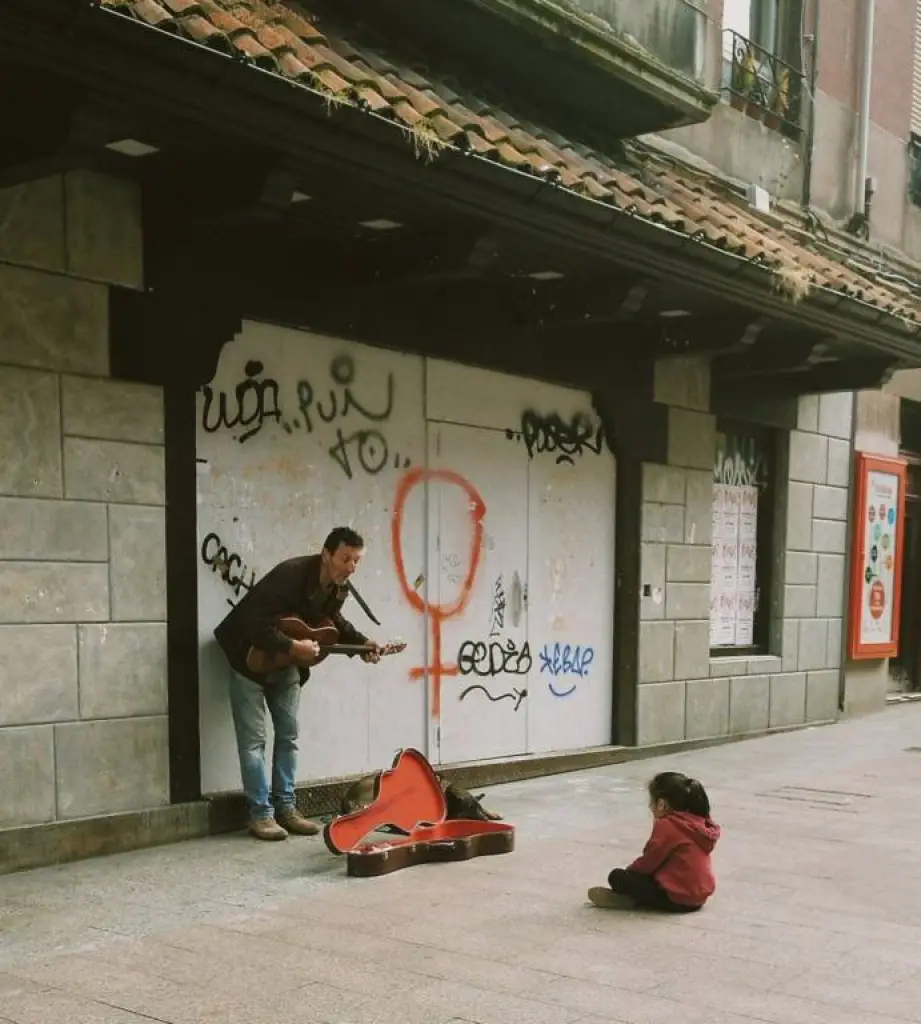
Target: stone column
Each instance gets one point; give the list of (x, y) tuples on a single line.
[(83, 726)]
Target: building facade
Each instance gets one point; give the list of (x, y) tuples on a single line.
[(846, 80), (590, 390)]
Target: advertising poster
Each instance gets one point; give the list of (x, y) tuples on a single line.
[(732, 580), (876, 580)]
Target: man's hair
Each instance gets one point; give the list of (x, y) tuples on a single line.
[(343, 535)]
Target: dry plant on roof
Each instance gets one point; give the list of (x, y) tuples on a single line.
[(332, 100), (792, 282), (427, 143)]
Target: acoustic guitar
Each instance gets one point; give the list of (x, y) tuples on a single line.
[(324, 633)]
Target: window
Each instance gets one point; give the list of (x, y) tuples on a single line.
[(756, 20), (914, 142), (914, 170), (762, 60), (916, 79), (743, 527)]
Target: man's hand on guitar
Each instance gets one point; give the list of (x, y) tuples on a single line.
[(304, 652), (374, 655)]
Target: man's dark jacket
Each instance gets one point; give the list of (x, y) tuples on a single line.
[(291, 588)]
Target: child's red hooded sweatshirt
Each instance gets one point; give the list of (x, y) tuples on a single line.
[(677, 856)]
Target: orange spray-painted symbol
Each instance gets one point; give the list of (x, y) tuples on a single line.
[(437, 613)]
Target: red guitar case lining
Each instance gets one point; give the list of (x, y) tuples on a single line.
[(409, 797)]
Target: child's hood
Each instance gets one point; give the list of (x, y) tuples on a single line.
[(704, 831)]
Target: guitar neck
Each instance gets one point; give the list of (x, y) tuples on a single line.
[(361, 649)]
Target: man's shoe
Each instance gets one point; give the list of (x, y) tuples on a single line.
[(604, 897), (267, 828), (292, 819)]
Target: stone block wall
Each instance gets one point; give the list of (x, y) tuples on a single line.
[(83, 727), (683, 692)]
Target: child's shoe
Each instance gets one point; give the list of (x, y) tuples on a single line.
[(604, 897)]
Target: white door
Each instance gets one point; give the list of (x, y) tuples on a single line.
[(479, 524), (571, 614)]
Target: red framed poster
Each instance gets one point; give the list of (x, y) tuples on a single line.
[(876, 557)]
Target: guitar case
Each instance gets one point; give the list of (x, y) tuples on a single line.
[(409, 797)]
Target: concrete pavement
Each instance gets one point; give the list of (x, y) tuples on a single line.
[(817, 919)]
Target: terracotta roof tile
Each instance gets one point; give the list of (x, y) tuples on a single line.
[(446, 128), (183, 6), (204, 31), (300, 26), (284, 37), (152, 13), (373, 100), (222, 19), (293, 68)]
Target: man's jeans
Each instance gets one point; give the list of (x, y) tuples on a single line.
[(248, 701)]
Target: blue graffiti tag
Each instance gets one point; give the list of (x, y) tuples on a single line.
[(565, 660)]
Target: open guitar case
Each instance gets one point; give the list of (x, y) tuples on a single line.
[(408, 797)]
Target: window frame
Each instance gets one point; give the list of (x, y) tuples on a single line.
[(914, 170)]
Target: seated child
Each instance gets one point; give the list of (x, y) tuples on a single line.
[(674, 873)]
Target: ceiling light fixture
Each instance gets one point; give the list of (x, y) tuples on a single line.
[(380, 224), (546, 275), (131, 147)]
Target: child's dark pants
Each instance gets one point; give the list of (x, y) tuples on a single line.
[(645, 891)]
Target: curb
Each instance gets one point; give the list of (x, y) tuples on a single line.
[(321, 799), (61, 842)]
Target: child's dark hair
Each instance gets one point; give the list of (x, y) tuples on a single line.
[(680, 793)]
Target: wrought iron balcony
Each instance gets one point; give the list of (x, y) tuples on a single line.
[(762, 85)]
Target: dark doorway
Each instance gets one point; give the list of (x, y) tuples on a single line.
[(905, 669)]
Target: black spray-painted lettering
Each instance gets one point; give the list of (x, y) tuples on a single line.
[(342, 373), (369, 445), (493, 659), (497, 612), (553, 435), (254, 401), (516, 695), (227, 564), (361, 449)]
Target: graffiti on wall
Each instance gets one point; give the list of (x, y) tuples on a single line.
[(254, 400), (229, 565), (437, 614), (553, 435), (495, 657), (567, 662), (516, 696), (354, 423), (740, 461), (497, 610), (476, 658), (363, 447)]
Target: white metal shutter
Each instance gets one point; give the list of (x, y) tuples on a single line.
[(916, 75)]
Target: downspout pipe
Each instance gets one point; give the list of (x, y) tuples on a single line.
[(866, 86), (813, 41)]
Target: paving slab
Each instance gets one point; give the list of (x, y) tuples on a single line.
[(817, 918)]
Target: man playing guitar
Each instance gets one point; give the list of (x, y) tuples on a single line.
[(312, 588)]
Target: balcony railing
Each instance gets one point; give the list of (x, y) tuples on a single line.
[(761, 84)]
